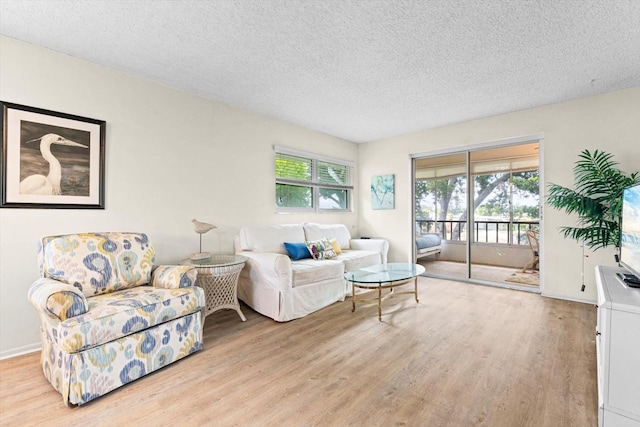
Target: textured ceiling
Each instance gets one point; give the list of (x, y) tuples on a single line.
[(360, 70)]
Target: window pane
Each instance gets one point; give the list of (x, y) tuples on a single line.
[(331, 173), (492, 207), (305, 182), (334, 199), (293, 196), (426, 207), (440, 207), (526, 204), (492, 197), (293, 167), (526, 196)]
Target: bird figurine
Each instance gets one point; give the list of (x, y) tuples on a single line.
[(201, 228), (50, 184)]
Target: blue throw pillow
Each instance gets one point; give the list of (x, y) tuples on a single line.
[(297, 250)]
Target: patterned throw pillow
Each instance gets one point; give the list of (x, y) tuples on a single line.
[(321, 249)]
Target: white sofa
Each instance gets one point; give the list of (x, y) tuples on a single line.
[(282, 289)]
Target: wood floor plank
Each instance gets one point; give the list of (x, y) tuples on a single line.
[(466, 355)]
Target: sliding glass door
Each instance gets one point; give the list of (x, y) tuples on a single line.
[(483, 205), (440, 214)]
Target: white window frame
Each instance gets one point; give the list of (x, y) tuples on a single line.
[(315, 184)]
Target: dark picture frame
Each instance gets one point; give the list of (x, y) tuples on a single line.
[(51, 160)]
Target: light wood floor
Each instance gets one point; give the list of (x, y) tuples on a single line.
[(466, 355)]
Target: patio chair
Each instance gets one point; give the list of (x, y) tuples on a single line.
[(532, 237)]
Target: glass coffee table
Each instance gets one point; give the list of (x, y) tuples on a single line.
[(383, 276)]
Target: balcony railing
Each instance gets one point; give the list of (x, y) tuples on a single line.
[(506, 232)]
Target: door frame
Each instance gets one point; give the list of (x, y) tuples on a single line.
[(467, 150)]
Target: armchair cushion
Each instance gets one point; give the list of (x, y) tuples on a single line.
[(118, 314), (97, 263)]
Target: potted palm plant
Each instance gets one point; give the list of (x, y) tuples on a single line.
[(597, 199)]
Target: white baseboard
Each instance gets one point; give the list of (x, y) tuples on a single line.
[(19, 351), (564, 297)]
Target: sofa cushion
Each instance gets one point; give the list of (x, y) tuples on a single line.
[(270, 238), (311, 271), (297, 250), (355, 260), (114, 315), (97, 263), (429, 240), (340, 232)]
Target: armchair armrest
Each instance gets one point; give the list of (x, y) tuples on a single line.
[(376, 245), (55, 298), (174, 276), (272, 268)]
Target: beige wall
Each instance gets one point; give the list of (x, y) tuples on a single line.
[(609, 122), (170, 156)]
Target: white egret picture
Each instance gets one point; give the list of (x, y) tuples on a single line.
[(51, 160), (382, 188)]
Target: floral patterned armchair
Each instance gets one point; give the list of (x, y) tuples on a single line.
[(107, 315)]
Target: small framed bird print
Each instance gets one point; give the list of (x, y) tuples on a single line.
[(50, 159)]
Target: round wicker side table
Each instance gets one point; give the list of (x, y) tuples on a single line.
[(218, 276)]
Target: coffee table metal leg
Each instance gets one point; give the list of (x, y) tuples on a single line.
[(379, 304), (380, 281), (353, 297)]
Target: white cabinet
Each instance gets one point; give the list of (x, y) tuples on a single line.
[(618, 350)]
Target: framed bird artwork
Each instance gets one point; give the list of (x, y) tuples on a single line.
[(50, 159)]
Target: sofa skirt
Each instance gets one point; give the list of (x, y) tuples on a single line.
[(283, 305), (83, 376)]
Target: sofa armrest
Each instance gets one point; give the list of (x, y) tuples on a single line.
[(174, 276), (375, 245), (274, 269), (55, 298)]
